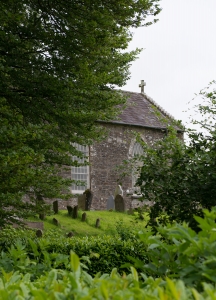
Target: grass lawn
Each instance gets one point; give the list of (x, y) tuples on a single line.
[(108, 222)]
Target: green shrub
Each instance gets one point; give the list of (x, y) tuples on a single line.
[(104, 252), (179, 252), (176, 252), (77, 284)]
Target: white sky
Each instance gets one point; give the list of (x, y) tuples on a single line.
[(179, 54)]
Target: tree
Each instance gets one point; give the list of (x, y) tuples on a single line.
[(181, 179), (59, 64)]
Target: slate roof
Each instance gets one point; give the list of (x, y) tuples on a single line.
[(140, 111)]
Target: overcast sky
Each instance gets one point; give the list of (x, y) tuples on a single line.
[(179, 54)]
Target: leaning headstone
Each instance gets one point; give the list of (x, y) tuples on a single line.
[(82, 202), (42, 216), (119, 203), (55, 206), (39, 233), (70, 210), (110, 203), (97, 224), (55, 222), (89, 195), (84, 217), (70, 234), (75, 212)]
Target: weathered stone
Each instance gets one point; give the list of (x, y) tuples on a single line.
[(119, 203), (89, 196), (110, 203), (82, 202), (70, 234), (118, 191), (97, 224), (75, 212), (36, 225), (42, 216), (55, 222), (39, 233), (84, 217), (62, 204), (55, 206), (70, 210), (106, 154)]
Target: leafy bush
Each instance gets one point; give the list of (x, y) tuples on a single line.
[(10, 235), (104, 252), (180, 264), (77, 284), (180, 178), (179, 252), (125, 232)]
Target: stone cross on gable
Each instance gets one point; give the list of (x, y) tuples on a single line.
[(142, 84)]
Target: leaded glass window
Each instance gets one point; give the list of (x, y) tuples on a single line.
[(81, 173)]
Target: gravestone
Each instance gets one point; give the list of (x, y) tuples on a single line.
[(118, 191), (42, 216), (89, 195), (70, 210), (70, 234), (75, 212), (82, 202), (119, 203), (97, 224), (84, 217), (39, 233), (110, 203), (55, 206), (55, 222), (36, 225)]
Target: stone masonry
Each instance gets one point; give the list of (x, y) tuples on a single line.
[(140, 117), (107, 155)]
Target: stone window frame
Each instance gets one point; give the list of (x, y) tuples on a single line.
[(78, 173)]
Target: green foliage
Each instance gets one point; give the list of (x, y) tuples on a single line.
[(59, 64), (75, 283), (104, 252), (180, 178), (179, 264), (125, 232), (177, 251)]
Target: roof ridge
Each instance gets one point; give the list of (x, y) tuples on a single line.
[(144, 103), (150, 99), (158, 106)]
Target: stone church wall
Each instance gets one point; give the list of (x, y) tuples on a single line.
[(105, 156), (108, 154)]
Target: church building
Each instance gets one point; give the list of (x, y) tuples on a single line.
[(101, 176)]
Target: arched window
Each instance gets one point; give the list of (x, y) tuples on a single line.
[(137, 150), (80, 173)]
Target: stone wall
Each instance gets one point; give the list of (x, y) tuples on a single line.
[(62, 204), (105, 156), (108, 154)]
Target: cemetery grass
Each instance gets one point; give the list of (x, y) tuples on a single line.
[(109, 221)]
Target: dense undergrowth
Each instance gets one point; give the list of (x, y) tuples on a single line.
[(176, 263)]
